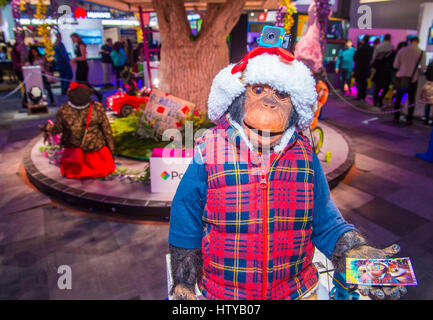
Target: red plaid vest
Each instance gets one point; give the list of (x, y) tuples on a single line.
[(257, 241)]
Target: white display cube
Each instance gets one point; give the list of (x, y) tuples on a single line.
[(167, 171)]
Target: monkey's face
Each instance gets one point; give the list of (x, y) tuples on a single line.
[(267, 113)]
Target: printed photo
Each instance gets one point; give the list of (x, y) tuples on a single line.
[(380, 272)]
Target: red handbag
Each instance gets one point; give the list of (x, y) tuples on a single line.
[(74, 155)]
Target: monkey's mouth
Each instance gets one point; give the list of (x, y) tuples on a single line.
[(263, 133)]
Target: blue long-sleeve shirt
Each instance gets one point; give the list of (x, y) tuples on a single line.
[(186, 225), (345, 59)]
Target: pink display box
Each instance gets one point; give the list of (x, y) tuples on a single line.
[(172, 153)]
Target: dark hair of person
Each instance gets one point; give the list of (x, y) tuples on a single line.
[(137, 51), (117, 46), (366, 38), (31, 57), (80, 41), (414, 39), (401, 45), (108, 40), (387, 37)]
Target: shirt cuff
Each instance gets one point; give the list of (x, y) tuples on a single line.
[(182, 240)]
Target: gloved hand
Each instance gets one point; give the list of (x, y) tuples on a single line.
[(186, 266), (376, 292), (180, 292)]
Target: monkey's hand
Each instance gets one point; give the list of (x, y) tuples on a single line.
[(377, 292), (186, 268), (180, 292), (352, 245)]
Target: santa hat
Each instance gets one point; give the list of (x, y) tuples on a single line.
[(273, 66)]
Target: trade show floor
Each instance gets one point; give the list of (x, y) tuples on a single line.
[(388, 197)]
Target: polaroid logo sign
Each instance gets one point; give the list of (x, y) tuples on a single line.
[(174, 175), (166, 177)]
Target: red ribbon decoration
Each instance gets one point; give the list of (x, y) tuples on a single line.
[(242, 64), (75, 85)]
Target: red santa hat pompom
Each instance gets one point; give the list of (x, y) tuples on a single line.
[(75, 85), (273, 66)]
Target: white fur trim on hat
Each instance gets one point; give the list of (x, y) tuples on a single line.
[(293, 78), (225, 88)]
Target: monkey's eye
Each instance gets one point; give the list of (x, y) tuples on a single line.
[(258, 90), (281, 95)]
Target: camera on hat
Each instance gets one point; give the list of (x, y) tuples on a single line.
[(275, 37)]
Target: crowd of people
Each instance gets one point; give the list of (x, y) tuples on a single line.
[(390, 72), (118, 58)]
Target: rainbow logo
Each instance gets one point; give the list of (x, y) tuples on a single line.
[(165, 175)]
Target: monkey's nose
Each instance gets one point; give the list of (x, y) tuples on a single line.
[(269, 105)]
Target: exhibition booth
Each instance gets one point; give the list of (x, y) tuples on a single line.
[(150, 136), (126, 111)]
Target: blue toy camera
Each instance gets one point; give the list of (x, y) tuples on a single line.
[(274, 37)]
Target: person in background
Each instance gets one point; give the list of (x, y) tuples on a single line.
[(376, 43), (118, 56), (62, 63), (407, 62), (139, 53), (4, 54), (129, 53), (138, 57), (427, 93), (344, 65), (386, 46), (383, 59), (394, 70), (3, 57), (82, 70), (107, 63), (362, 60), (37, 59), (16, 62)]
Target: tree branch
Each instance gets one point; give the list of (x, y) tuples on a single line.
[(225, 15), (172, 18), (212, 10)]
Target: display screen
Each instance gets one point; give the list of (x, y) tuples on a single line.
[(41, 51), (337, 29), (430, 36), (372, 39), (90, 36)]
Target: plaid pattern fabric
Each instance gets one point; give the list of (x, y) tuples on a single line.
[(238, 245)]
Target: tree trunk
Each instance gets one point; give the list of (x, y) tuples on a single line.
[(188, 63)]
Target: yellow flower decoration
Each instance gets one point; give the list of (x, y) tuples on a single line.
[(23, 4), (288, 18), (44, 30), (139, 31)]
